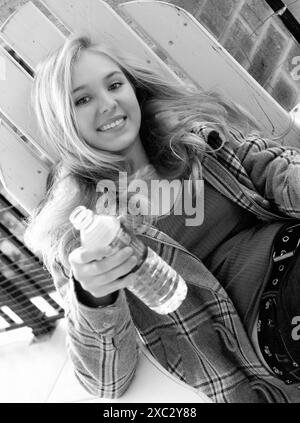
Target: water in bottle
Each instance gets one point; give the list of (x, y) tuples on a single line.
[(156, 283)]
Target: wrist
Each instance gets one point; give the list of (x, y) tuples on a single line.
[(89, 300)]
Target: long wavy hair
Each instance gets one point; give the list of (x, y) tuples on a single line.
[(174, 119)]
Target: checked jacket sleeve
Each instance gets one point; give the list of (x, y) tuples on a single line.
[(274, 171), (101, 341)]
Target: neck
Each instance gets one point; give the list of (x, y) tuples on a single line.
[(137, 157)]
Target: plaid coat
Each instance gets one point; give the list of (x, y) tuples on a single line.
[(203, 342)]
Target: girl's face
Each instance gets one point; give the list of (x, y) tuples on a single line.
[(106, 108)]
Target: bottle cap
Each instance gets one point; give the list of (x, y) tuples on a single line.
[(102, 228), (81, 217)]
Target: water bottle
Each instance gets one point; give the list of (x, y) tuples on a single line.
[(155, 283)]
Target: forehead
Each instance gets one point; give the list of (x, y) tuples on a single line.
[(90, 66)]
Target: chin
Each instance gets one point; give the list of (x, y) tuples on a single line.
[(125, 147)]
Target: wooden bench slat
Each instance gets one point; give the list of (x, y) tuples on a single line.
[(98, 20), (31, 34), (207, 63), (15, 104), (22, 174)]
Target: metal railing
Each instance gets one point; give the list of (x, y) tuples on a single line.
[(27, 292)]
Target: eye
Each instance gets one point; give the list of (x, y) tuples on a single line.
[(82, 100), (115, 85)]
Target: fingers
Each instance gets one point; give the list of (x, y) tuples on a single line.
[(95, 274), (106, 264), (82, 255), (111, 281), (102, 265), (125, 282), (118, 272)]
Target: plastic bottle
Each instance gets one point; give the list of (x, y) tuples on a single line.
[(155, 283)]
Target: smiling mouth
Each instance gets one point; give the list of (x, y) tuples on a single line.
[(115, 124)]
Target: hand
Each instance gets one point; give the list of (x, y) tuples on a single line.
[(102, 271)]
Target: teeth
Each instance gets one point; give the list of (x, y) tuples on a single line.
[(111, 125)]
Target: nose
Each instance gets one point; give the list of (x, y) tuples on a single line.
[(107, 104)]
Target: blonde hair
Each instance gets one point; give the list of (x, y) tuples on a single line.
[(174, 117)]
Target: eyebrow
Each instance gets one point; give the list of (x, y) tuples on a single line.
[(105, 78)]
